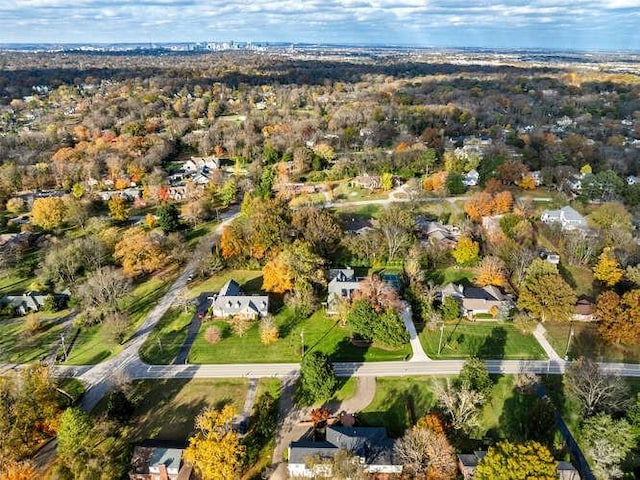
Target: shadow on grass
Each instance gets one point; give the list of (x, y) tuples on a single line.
[(346, 351), (493, 346)]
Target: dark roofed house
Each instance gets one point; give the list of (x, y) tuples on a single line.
[(34, 301), (371, 444), (342, 283), (583, 311), (477, 301), (231, 301)]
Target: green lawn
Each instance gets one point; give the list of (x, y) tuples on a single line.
[(497, 340), (19, 347), (14, 283), (587, 342), (165, 409), (250, 281), (450, 275), (164, 342), (580, 278), (362, 211), (397, 400), (92, 346), (320, 333)]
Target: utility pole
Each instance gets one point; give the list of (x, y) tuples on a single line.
[(64, 347), (566, 353), (441, 333), (302, 341)]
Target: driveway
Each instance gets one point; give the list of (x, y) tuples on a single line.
[(192, 329)]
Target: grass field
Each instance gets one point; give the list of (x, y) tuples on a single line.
[(91, 345), (250, 281), (165, 409), (320, 333), (164, 342), (450, 275), (495, 340), (19, 347), (587, 342)]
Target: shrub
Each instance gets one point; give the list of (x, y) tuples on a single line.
[(240, 326), (213, 334), (268, 331)]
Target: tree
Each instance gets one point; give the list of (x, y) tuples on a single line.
[(475, 375), (268, 330), (213, 335), (104, 289), (74, 432), (232, 240), (466, 251), (479, 205), (545, 294), (450, 309), (386, 181), (318, 227), (426, 454), (48, 213), (139, 252), (619, 317), (612, 215), (295, 266), (608, 269), (168, 217), (595, 392), (194, 211), (503, 202), (228, 192), (118, 209), (380, 294), (608, 443), (462, 405), (389, 329), (492, 271), (317, 379), (517, 461), (362, 317), (12, 470), (396, 223), (454, 183), (77, 212), (215, 450)]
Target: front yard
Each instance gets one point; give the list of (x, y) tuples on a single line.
[(18, 345), (319, 332), (488, 340)]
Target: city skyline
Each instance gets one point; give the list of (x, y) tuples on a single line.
[(560, 24)]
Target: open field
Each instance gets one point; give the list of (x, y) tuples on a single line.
[(491, 340), (319, 333), (250, 281)]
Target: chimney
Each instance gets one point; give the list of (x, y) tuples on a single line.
[(164, 475)]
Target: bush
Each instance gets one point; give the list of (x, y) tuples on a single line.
[(213, 334), (240, 326), (268, 331)]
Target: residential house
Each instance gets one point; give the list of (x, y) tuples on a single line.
[(567, 217), (370, 182), (196, 164), (471, 178), (583, 311), (231, 301), (34, 301), (468, 462), (375, 451), (478, 300), (342, 283), (357, 226), (435, 232), (158, 463)]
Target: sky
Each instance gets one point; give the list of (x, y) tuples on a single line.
[(560, 24)]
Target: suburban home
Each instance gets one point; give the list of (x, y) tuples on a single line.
[(308, 459), (567, 217), (436, 233), (201, 163), (232, 302), (471, 178), (34, 301), (468, 462), (357, 226), (158, 463), (342, 283), (583, 311), (478, 300), (370, 182)]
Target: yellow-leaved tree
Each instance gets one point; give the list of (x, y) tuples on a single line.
[(608, 269), (48, 212), (215, 450), (517, 461)]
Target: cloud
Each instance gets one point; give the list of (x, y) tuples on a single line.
[(560, 23)]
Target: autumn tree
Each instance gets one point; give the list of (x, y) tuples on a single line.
[(619, 317), (215, 449), (462, 405), (118, 209), (517, 461), (595, 391), (379, 294), (232, 240), (139, 252), (74, 433), (479, 205), (502, 202), (545, 294), (612, 215), (48, 213), (295, 266), (13, 470), (425, 453), (396, 224), (318, 227), (386, 181), (608, 269), (492, 271), (268, 330), (317, 379), (466, 251)]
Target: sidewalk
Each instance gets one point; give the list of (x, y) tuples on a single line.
[(416, 346), (539, 334)]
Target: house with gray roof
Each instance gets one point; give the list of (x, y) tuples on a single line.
[(371, 445), (567, 217), (477, 300), (231, 301), (342, 283), (158, 463), (33, 301)]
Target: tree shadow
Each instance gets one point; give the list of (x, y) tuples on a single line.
[(527, 417), (253, 286), (567, 275), (493, 346), (350, 351)]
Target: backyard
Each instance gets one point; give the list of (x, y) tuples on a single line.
[(490, 340)]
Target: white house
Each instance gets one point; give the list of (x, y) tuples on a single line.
[(567, 217), (471, 178), (231, 302)]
